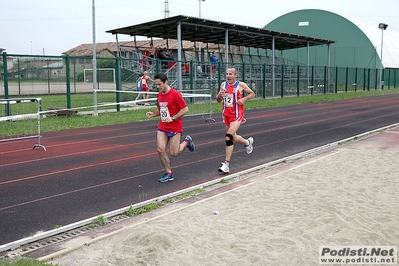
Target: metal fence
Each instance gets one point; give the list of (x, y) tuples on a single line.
[(69, 77), (20, 119)]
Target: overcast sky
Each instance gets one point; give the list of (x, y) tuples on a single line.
[(51, 27)]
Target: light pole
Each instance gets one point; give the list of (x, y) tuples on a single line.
[(382, 27), (200, 7), (200, 43), (94, 48)]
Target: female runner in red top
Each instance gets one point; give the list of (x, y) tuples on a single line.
[(145, 87)]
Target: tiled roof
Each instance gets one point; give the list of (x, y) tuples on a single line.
[(86, 49)]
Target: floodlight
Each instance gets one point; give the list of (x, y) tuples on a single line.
[(382, 26)]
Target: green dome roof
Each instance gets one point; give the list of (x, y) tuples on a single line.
[(356, 44)]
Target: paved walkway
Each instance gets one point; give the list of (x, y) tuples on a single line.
[(347, 196)]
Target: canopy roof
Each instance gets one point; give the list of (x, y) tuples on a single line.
[(209, 31)]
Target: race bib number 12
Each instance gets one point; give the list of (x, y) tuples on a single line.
[(228, 100)]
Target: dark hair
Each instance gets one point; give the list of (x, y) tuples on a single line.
[(161, 76)]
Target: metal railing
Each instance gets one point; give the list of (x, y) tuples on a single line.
[(20, 119)]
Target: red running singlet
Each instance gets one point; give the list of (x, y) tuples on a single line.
[(232, 111)]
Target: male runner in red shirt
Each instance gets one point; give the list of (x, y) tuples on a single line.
[(231, 93), (171, 109)]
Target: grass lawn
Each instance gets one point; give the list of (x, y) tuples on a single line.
[(24, 262), (109, 118)]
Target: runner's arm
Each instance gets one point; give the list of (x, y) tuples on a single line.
[(220, 95), (153, 114), (250, 93), (181, 113)]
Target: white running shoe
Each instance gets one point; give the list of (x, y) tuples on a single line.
[(250, 147), (224, 168)]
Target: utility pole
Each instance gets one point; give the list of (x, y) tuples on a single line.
[(166, 13)]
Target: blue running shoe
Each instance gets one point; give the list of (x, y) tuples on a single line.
[(191, 145), (167, 177)]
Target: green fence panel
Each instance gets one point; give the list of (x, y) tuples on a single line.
[(69, 78)]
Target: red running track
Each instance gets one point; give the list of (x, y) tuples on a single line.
[(87, 172)]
